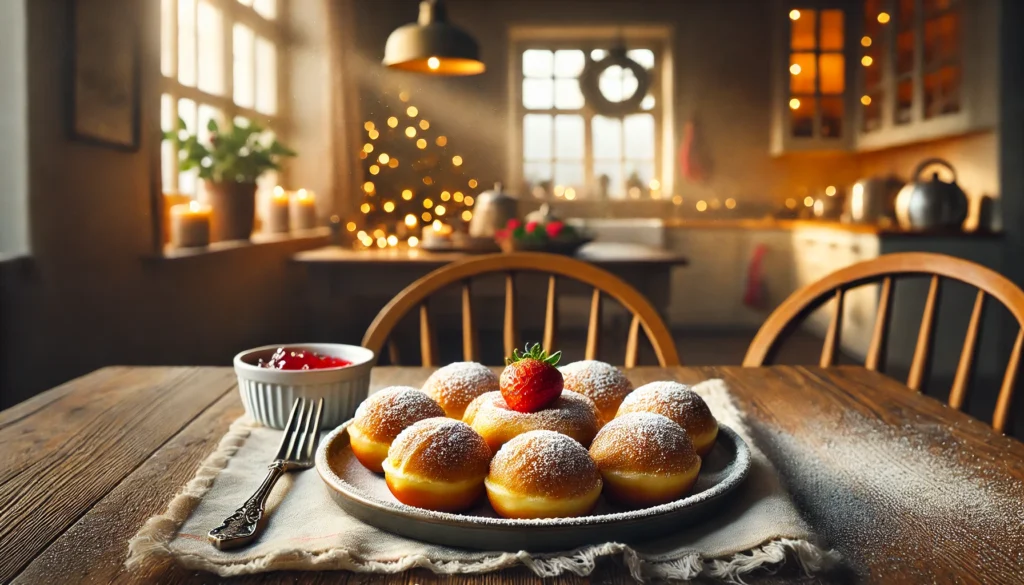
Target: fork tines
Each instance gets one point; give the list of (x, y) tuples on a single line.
[(302, 431)]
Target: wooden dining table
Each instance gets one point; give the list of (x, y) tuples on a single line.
[(867, 461)]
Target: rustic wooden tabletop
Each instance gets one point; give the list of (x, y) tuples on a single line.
[(906, 489)]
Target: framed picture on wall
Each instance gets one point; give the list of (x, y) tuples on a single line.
[(104, 70)]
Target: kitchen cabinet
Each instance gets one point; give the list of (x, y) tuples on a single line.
[(927, 69), (865, 75)]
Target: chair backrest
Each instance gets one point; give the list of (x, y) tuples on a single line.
[(604, 283), (885, 268)]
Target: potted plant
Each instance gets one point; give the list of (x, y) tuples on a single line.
[(229, 164)]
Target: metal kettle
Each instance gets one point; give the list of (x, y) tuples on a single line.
[(931, 204), (491, 213)]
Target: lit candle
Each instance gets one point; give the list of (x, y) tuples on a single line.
[(190, 225), (303, 210), (277, 212)]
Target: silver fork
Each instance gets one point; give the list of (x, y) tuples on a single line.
[(296, 452)]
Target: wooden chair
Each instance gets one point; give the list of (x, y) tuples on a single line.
[(885, 268), (416, 295)]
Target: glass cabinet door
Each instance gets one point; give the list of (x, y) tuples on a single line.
[(817, 73), (873, 63)]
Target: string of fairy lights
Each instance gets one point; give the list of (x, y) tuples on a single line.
[(412, 182)]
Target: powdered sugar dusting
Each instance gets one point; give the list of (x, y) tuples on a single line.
[(385, 414), (603, 383), (442, 449), (571, 414), (643, 442), (674, 400), (544, 463), (456, 385)]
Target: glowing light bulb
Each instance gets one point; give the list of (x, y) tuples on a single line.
[(866, 100), (457, 160), (867, 61), (412, 111), (365, 208), (368, 187), (410, 132), (677, 200), (702, 205), (407, 194), (414, 241), (559, 190), (382, 242), (427, 203), (830, 190), (393, 122), (808, 201), (433, 63), (469, 200), (441, 141), (378, 233), (367, 148), (368, 126), (424, 124), (570, 193), (445, 196), (392, 240), (437, 225), (278, 191), (865, 41), (794, 14), (410, 220), (473, 183), (883, 17), (467, 215), (655, 184), (794, 104), (374, 169), (428, 181), (791, 203), (795, 69), (458, 196), (374, 135), (421, 144), (383, 158), (439, 210), (730, 203), (351, 226), (403, 95), (426, 216), (389, 206)]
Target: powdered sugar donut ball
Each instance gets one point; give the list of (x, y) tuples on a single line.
[(456, 385), (382, 416), (603, 383), (679, 403)]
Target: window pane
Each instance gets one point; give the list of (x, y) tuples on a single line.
[(904, 102), (802, 73), (211, 48), (607, 137), (266, 76), (802, 37), (832, 30), (537, 136), (568, 95), (168, 156), (802, 116), (569, 174), (538, 63), (537, 94), (609, 178), (245, 66), (610, 83), (187, 112), (831, 117), (644, 57), (833, 78), (639, 133), (647, 103), (266, 8), (638, 171), (537, 172), (187, 42), (569, 137), (168, 22), (568, 63)]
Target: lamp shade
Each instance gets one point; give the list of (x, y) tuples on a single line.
[(432, 45)]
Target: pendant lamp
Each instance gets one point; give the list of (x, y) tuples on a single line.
[(432, 45)]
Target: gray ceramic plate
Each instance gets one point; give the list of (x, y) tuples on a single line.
[(364, 495)]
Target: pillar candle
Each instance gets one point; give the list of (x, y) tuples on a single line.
[(277, 212), (190, 225), (303, 210)]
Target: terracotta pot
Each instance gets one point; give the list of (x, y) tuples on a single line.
[(234, 210)]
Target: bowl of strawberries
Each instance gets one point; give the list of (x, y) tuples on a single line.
[(545, 234)]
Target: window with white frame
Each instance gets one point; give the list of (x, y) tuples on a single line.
[(220, 61), (567, 149)]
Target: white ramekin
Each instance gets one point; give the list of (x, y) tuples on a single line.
[(268, 394)]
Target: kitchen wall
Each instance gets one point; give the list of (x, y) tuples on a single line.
[(722, 53), (93, 293)]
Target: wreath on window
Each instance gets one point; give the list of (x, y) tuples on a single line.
[(590, 84)]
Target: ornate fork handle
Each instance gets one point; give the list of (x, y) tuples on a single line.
[(244, 525)]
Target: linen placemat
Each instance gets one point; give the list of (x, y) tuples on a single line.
[(758, 527)]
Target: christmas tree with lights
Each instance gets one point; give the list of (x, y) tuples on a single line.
[(412, 180)]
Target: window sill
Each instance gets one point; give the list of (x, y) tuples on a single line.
[(316, 236)]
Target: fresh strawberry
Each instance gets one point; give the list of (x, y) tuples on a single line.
[(530, 380)]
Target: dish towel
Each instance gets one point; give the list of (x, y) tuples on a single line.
[(758, 528)]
